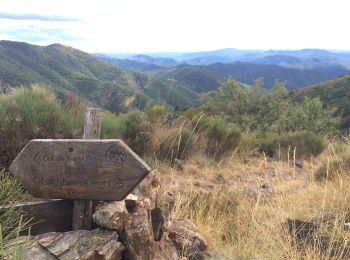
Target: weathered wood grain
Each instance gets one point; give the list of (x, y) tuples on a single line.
[(92, 124), (82, 209), (48, 216), (79, 169)]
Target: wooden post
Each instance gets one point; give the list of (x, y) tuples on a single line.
[(82, 209)]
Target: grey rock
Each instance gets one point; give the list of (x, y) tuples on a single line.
[(179, 164), (111, 215), (187, 240), (97, 244)]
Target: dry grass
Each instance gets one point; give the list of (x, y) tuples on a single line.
[(239, 217)]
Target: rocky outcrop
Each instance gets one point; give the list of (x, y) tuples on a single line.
[(149, 233), (138, 228)]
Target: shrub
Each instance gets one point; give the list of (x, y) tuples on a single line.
[(34, 112), (156, 114), (177, 144), (72, 116), (304, 144), (129, 127), (111, 126), (221, 137), (333, 169), (232, 138), (268, 143)]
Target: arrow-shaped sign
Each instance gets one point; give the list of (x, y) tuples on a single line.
[(79, 169)]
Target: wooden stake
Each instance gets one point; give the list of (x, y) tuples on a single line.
[(82, 209)]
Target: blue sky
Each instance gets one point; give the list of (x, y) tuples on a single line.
[(180, 25)]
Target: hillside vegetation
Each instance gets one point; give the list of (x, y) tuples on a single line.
[(209, 77), (69, 70), (334, 93)]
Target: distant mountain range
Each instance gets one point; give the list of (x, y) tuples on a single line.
[(301, 59), (206, 70)]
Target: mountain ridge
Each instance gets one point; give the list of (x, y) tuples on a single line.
[(70, 70)]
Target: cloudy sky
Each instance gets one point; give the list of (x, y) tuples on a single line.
[(178, 25)]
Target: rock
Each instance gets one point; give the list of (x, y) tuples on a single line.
[(166, 203), (149, 187), (165, 249), (130, 201), (187, 240), (111, 250), (346, 226), (111, 215), (138, 234), (157, 223), (38, 252), (302, 230), (179, 164), (98, 244), (299, 163), (266, 189), (306, 234)]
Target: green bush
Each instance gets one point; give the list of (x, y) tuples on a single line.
[(232, 138), (221, 137), (333, 169), (111, 126), (72, 116), (305, 144), (156, 114), (35, 112), (129, 127), (268, 143)]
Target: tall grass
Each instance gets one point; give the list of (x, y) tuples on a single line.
[(248, 225), (12, 220)]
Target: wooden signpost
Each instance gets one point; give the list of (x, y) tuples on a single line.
[(80, 169)]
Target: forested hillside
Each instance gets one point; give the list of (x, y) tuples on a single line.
[(69, 70), (334, 93)]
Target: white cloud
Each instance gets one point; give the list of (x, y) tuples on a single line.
[(190, 25)]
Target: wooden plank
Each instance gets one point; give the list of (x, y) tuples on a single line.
[(48, 215), (82, 209), (79, 169), (92, 124)]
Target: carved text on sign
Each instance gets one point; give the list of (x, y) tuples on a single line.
[(79, 169)]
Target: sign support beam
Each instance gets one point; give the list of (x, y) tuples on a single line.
[(82, 209)]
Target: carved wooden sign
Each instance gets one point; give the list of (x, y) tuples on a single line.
[(79, 169)]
